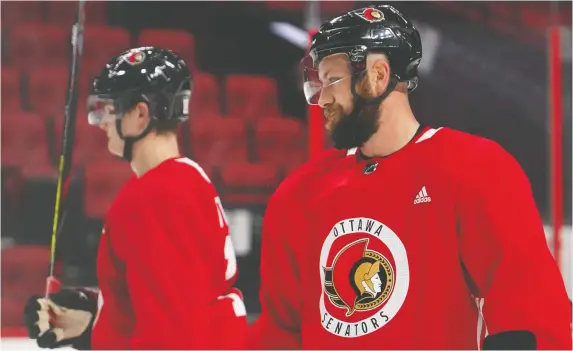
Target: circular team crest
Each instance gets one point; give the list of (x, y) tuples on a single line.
[(372, 15), (136, 57), (365, 277)]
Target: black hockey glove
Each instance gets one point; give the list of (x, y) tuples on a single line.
[(511, 340), (65, 319)]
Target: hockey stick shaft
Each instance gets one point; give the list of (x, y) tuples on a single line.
[(65, 160)]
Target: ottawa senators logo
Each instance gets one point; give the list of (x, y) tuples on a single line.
[(364, 269), (134, 57), (371, 15), (371, 278)]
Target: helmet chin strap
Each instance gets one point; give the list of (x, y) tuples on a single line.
[(359, 101), (129, 141)]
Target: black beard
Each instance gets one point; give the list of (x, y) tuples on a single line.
[(354, 129)]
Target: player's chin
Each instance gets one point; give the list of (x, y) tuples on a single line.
[(331, 125), (115, 149)]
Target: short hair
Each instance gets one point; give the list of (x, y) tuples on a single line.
[(166, 126), (161, 126)]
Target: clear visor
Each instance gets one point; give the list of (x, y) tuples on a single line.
[(101, 110), (312, 85)]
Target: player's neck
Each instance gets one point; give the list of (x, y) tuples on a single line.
[(153, 150), (397, 127)]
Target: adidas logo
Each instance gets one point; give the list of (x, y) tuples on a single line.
[(422, 197)]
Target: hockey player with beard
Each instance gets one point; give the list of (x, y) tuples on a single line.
[(404, 236)]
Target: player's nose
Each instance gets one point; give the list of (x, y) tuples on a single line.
[(324, 99)]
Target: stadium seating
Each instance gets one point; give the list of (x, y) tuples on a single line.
[(288, 6), (37, 45), (206, 97), (326, 7), (21, 12), (11, 90), (24, 140), (90, 142), (104, 42), (180, 42), (216, 140), (12, 306), (251, 96), (24, 267), (525, 21), (64, 12), (336, 7), (47, 90), (280, 141), (540, 15), (48, 87), (89, 71), (102, 182), (24, 272), (248, 183), (12, 184)]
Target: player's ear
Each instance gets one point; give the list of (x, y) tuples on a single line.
[(141, 112), (379, 73)]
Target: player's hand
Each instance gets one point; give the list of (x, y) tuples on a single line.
[(65, 319)]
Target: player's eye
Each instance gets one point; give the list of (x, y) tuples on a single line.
[(109, 109), (331, 81)]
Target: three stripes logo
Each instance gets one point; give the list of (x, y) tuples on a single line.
[(422, 197)]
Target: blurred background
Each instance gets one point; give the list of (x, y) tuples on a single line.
[(488, 68)]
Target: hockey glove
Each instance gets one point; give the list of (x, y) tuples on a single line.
[(65, 319), (511, 340)]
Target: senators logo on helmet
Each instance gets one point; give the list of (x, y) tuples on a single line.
[(136, 57), (372, 15)]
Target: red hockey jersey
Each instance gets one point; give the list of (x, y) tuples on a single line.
[(166, 266), (433, 247)]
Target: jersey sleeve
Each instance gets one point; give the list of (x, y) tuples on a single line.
[(505, 253), (278, 326), (167, 272)]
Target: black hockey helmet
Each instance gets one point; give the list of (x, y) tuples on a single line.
[(380, 29), (157, 77)]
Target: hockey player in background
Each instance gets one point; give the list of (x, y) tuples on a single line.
[(404, 236), (166, 264)]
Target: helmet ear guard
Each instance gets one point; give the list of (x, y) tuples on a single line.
[(180, 106)]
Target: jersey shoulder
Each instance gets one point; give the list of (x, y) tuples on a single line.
[(466, 155), (176, 169), (190, 170), (305, 176), (462, 144), (177, 178)]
